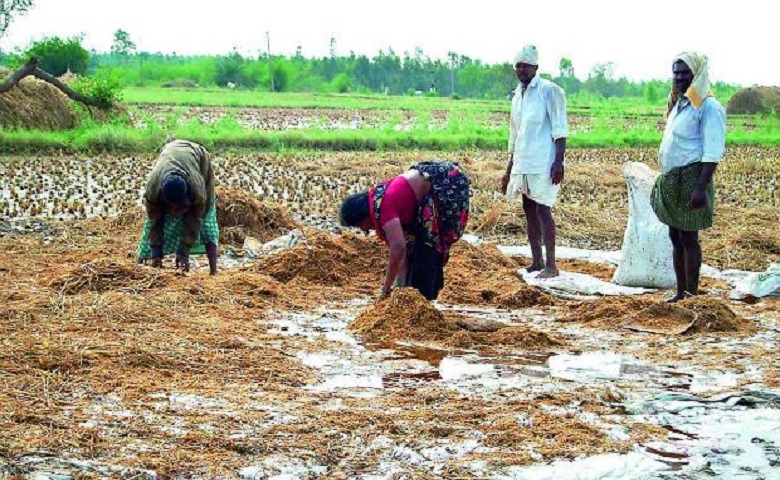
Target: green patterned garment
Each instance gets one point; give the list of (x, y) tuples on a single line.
[(671, 194), (209, 232)]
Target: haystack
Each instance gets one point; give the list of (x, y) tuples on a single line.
[(35, 104), (753, 100), (405, 315), (240, 214), (482, 275), (332, 260), (715, 316)]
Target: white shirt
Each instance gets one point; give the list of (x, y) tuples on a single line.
[(537, 119), (693, 135)]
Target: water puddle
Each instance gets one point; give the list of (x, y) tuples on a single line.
[(727, 436)]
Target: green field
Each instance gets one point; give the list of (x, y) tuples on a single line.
[(396, 123)]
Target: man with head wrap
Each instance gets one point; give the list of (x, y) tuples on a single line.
[(537, 144), (694, 141), (420, 214), (180, 206)]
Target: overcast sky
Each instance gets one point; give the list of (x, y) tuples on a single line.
[(742, 38)]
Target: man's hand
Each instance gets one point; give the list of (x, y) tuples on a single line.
[(183, 261), (698, 199), (557, 172), (504, 183)]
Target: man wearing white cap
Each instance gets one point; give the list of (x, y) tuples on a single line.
[(693, 143), (537, 144)]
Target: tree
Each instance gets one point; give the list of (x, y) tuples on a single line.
[(566, 68), (57, 56), (11, 8), (122, 45), (231, 69)]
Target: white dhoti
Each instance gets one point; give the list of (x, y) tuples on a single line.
[(537, 187)]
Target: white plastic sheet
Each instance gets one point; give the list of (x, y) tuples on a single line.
[(574, 284), (752, 284)]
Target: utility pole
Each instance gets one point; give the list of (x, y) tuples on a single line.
[(270, 65)]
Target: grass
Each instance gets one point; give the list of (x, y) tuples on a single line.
[(467, 125)]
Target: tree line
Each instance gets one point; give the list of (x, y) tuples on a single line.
[(387, 72)]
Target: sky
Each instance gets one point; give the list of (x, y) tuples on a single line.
[(741, 39)]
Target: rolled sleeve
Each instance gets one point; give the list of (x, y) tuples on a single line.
[(556, 105), (713, 125)]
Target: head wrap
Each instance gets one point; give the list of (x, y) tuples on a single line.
[(354, 209), (174, 189), (700, 86), (527, 54)]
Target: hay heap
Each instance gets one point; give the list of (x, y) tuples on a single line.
[(479, 275), (36, 105), (104, 275), (331, 260), (663, 318), (608, 312), (715, 316), (240, 214), (405, 315), (753, 100), (515, 337)]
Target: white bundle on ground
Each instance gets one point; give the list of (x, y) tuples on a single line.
[(753, 284), (646, 257)]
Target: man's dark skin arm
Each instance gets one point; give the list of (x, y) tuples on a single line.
[(699, 195), (557, 170)]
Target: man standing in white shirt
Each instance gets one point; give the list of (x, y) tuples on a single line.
[(694, 141), (537, 144)]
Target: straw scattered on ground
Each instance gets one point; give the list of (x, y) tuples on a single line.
[(518, 338)]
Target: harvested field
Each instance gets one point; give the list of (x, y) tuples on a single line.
[(286, 366), (592, 211)]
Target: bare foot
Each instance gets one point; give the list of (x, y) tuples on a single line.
[(548, 272), (533, 268), (678, 297)]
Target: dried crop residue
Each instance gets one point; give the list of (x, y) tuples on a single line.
[(715, 316), (480, 275), (608, 312), (750, 244), (598, 270), (348, 261), (240, 214), (103, 275), (405, 315), (36, 105), (662, 318), (551, 435), (754, 100), (515, 337), (772, 376)]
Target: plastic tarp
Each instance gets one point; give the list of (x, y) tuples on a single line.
[(576, 285)]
